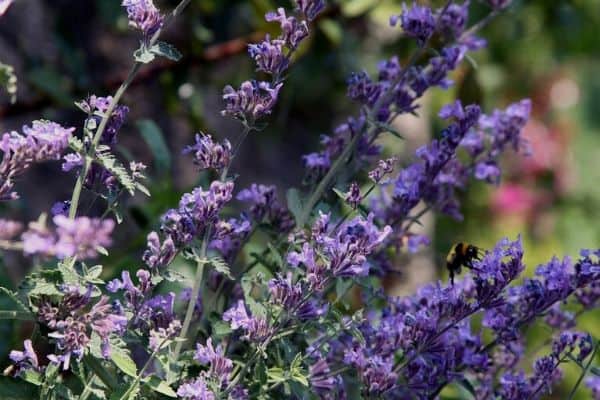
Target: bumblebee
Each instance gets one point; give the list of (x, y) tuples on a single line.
[(462, 255)]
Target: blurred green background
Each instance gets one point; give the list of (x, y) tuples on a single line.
[(548, 50)]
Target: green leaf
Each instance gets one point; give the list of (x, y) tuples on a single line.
[(468, 386), (276, 375), (340, 194), (8, 80), (20, 315), (17, 389), (94, 272), (166, 50), (143, 55), (332, 30), (120, 356), (154, 138), (294, 202), (14, 296), (220, 329), (114, 166), (119, 394), (275, 254), (221, 266), (32, 376), (160, 386)]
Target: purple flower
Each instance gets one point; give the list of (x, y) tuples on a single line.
[(505, 126), (25, 360), (593, 383), (487, 171), (42, 141), (230, 235), (310, 8), (320, 379), (143, 15), (209, 154), (159, 254), (383, 168), (220, 366), (416, 21), (72, 161), (9, 229), (81, 237), (292, 30), (265, 207), (256, 328), (195, 390), (353, 197), (61, 208), (454, 19), (252, 101), (269, 56)]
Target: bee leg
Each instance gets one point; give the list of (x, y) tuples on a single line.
[(452, 277)]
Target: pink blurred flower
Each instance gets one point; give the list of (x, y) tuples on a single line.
[(512, 198)]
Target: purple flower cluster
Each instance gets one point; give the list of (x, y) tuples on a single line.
[(42, 141), (25, 360), (144, 16), (72, 323), (197, 211), (416, 21), (81, 237), (255, 99), (96, 108), (256, 328), (266, 208), (209, 154), (230, 235), (340, 252)]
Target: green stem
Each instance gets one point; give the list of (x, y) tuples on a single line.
[(320, 189), (97, 368), (87, 390), (583, 373), (111, 107), (192, 303), (138, 378)]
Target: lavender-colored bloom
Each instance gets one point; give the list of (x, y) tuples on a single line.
[(415, 242), (593, 383), (252, 101), (230, 235), (265, 207), (60, 208), (316, 164), (293, 31), (220, 366), (310, 8), (256, 328), (383, 168), (505, 126), (72, 161), (159, 254), (195, 390), (514, 386), (209, 154), (143, 15), (81, 237), (353, 196), (160, 335), (9, 229), (454, 18), (487, 171), (320, 377), (42, 141), (25, 360), (416, 21), (269, 56)]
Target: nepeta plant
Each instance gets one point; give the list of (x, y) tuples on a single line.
[(281, 326)]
